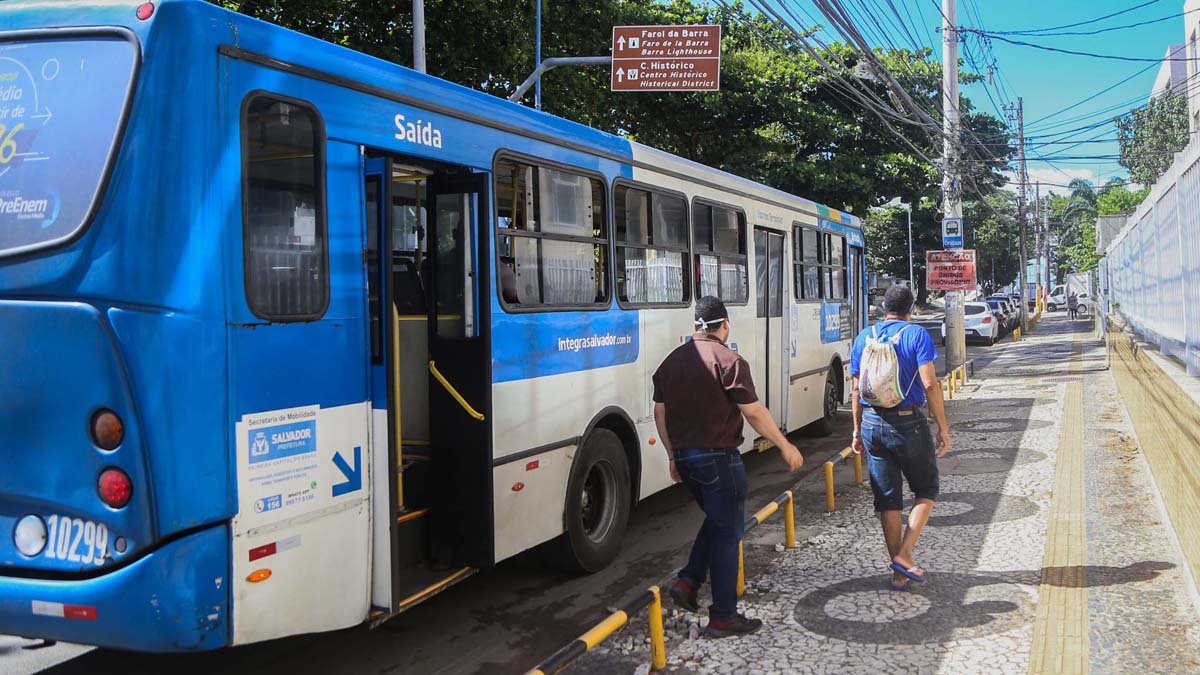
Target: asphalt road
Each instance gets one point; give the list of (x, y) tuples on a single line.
[(501, 621)]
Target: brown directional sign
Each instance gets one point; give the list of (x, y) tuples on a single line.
[(666, 58)]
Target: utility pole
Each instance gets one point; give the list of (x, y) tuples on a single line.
[(1024, 278), (419, 35), (956, 339), (1037, 241), (1046, 243)]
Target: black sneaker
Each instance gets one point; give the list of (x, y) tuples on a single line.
[(684, 596), (738, 625)]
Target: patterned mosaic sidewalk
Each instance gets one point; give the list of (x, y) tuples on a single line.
[(1047, 551)]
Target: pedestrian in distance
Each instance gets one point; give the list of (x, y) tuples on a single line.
[(1073, 305), (702, 391), (890, 425)]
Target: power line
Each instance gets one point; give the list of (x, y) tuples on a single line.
[(1111, 57), (1079, 23)]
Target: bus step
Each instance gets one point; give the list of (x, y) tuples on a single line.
[(427, 581), (412, 528)]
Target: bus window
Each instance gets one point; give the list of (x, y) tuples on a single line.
[(719, 237), (551, 246), (52, 173), (834, 267), (806, 262), (651, 247), (284, 221)]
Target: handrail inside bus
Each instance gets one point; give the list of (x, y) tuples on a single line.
[(454, 392)]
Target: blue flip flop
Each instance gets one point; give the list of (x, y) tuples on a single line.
[(908, 572)]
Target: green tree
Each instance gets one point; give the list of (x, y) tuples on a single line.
[(1077, 231), (1150, 136)]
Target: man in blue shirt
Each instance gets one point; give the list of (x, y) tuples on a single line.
[(897, 440)]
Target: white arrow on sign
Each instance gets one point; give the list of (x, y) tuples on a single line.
[(621, 42), (45, 116), (620, 74)]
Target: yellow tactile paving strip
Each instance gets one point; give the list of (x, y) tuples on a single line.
[(1060, 633)]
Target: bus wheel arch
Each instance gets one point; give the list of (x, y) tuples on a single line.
[(618, 421), (832, 396)]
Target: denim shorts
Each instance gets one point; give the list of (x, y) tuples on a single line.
[(899, 445)]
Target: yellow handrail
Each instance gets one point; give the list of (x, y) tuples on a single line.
[(454, 393)]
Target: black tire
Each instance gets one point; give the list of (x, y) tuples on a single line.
[(991, 340), (597, 507), (827, 424)]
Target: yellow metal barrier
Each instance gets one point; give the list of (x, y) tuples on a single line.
[(651, 599), (828, 467), (454, 392)]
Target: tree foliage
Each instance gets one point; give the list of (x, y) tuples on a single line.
[(1151, 135), (1076, 215)]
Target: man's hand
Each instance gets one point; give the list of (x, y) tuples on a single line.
[(791, 455), (943, 441), (675, 472), (858, 446)]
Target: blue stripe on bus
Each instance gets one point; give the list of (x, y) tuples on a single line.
[(526, 346)]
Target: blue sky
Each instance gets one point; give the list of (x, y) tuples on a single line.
[(1047, 81)]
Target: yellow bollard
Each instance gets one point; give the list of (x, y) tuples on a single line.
[(789, 521), (828, 487), (858, 474), (741, 585), (658, 643)]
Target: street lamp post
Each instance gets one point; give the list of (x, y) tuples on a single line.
[(912, 281)]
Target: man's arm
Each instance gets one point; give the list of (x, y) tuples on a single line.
[(857, 407), (760, 418), (933, 392), (660, 422)]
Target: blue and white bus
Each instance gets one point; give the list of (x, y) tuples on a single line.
[(294, 338)]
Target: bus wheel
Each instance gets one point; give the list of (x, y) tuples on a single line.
[(829, 402), (598, 504)]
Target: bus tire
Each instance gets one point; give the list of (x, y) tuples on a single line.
[(598, 505), (827, 424)]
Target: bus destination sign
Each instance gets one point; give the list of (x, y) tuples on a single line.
[(951, 270), (666, 58)]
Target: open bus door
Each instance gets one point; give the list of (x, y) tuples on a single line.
[(460, 370)]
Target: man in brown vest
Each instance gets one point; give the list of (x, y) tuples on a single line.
[(702, 390)]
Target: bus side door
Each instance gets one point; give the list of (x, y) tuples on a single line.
[(299, 357)]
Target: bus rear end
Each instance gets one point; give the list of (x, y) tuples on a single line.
[(108, 534)]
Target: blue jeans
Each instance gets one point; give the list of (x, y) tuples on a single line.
[(899, 445), (717, 480)]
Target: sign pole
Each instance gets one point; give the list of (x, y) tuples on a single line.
[(956, 339)]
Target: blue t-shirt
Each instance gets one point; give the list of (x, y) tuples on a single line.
[(914, 350)]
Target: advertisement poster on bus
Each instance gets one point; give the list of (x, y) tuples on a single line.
[(951, 270)]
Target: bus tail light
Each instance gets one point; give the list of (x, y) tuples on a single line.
[(145, 10), (108, 431), (115, 487)]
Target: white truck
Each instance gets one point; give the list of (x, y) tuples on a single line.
[(1080, 284)]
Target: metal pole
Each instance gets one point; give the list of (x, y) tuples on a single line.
[(912, 281), (537, 58), (1024, 278), (556, 62), (419, 35), (1037, 240), (1046, 247), (956, 340)]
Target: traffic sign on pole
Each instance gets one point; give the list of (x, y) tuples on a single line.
[(952, 233), (666, 58)]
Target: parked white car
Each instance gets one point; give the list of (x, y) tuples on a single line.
[(981, 323)]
